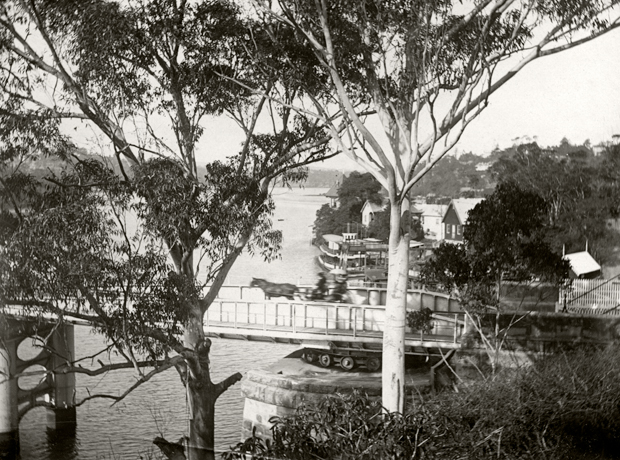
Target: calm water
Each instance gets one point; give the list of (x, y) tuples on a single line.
[(126, 430)]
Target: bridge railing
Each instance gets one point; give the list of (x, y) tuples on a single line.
[(360, 295), (328, 319)]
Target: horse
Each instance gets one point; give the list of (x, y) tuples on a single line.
[(287, 290)]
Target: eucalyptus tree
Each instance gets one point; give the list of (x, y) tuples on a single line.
[(143, 78), (428, 68)]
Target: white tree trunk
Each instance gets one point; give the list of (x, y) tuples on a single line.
[(393, 375)]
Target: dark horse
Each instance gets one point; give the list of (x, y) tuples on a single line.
[(275, 289)]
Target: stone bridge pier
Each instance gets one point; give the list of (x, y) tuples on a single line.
[(46, 365)]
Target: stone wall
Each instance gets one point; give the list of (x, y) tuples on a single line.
[(279, 389)]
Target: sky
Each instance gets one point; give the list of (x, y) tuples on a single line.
[(573, 94)]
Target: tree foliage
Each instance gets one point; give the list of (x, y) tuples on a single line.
[(380, 227), (581, 192), (448, 268), (330, 220), (126, 235), (353, 192), (504, 239)]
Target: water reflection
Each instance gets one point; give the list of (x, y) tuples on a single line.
[(62, 442)]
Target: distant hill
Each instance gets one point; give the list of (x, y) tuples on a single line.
[(323, 178), (317, 178), (40, 167), (467, 175)]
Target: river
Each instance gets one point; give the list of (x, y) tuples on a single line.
[(157, 408)]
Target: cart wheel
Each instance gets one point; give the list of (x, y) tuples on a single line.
[(310, 356), (347, 363), (325, 360), (373, 364)]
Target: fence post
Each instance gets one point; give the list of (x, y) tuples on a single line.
[(306, 315), (456, 325)]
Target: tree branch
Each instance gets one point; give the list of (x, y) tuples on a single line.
[(143, 379), (227, 383)]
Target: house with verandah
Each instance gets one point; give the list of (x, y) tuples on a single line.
[(369, 210)]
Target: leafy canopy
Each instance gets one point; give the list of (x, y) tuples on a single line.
[(580, 190), (138, 241)]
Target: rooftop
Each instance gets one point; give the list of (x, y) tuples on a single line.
[(462, 206), (582, 263)]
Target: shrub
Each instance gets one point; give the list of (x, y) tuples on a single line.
[(421, 320), (564, 406), (346, 427)]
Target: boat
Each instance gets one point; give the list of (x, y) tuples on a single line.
[(358, 257), (365, 258)]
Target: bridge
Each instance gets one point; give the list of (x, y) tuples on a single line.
[(347, 334), (55, 389), (331, 333), (244, 313), (240, 312), (298, 322)]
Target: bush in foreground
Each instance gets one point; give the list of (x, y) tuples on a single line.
[(563, 406)]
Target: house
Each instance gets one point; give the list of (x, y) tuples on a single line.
[(582, 266), (455, 218), (431, 220), (332, 194), (369, 210)]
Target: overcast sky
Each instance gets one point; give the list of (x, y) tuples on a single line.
[(573, 94)]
